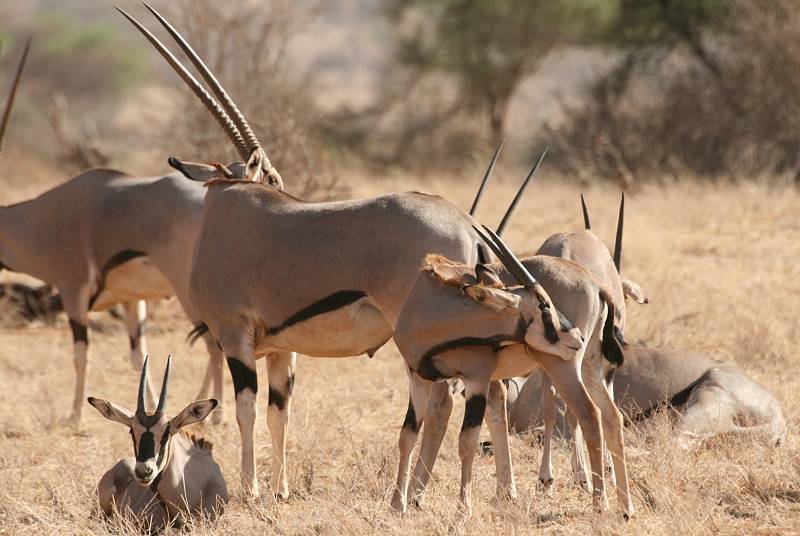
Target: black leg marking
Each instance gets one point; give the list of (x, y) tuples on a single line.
[(79, 332), (276, 398), (410, 421), (290, 384), (243, 376), (134, 341), (136, 337), (474, 411), (337, 300)]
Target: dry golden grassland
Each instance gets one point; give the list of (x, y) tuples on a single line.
[(721, 267)]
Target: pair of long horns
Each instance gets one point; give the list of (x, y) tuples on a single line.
[(517, 197), (228, 115), (509, 260), (13, 93), (141, 409), (620, 223)]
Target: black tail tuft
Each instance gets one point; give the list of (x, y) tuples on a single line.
[(611, 346), (198, 331)]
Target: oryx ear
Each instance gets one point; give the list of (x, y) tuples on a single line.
[(487, 276), (194, 171), (112, 412), (194, 413), (494, 298), (632, 290)]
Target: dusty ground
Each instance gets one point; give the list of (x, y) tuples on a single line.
[(720, 265)]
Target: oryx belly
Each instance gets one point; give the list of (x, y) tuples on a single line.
[(354, 328), (137, 279), (514, 361)]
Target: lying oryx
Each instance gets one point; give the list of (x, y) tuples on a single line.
[(709, 397), (324, 279), (172, 475), (460, 322), (105, 237)]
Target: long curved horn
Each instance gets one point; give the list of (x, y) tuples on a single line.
[(219, 114), (162, 398), (520, 273), (618, 241), (486, 179), (141, 408), (13, 93), (586, 223), (216, 87), (513, 205)]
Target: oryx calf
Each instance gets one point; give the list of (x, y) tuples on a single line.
[(172, 475), (460, 322)]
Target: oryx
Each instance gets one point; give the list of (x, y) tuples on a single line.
[(709, 397), (273, 275), (474, 324), (105, 237), (172, 475)]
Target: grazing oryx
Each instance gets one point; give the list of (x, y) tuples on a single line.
[(709, 397), (105, 237), (324, 279), (172, 475), (460, 322)]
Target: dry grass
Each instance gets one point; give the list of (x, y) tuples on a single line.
[(720, 265)]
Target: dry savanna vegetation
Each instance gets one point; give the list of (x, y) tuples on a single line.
[(720, 265)]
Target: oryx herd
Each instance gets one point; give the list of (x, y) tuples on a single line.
[(262, 274)]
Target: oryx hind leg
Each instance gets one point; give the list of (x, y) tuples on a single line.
[(549, 413), (76, 305), (497, 422), (238, 350), (440, 408), (135, 316), (280, 373), (419, 393), (214, 377)]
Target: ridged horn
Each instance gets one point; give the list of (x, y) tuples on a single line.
[(216, 88), (513, 205), (208, 101), (486, 179), (618, 241), (162, 399), (141, 408), (509, 260), (13, 93), (586, 223)]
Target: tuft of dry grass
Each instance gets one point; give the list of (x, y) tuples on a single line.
[(719, 263)]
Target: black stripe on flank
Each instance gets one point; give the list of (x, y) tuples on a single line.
[(276, 398), (243, 376), (120, 258), (410, 421), (335, 301), (290, 384), (79, 332), (675, 401), (474, 411)]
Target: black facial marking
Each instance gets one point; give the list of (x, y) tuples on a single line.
[(410, 421), (79, 332), (566, 325), (290, 384), (474, 411), (550, 332), (335, 301), (243, 376), (120, 258), (147, 447), (610, 375), (276, 399)]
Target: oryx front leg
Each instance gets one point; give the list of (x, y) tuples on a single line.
[(497, 422), (476, 392), (440, 408), (613, 422), (419, 392), (80, 351), (242, 365), (214, 376), (549, 413), (280, 372)]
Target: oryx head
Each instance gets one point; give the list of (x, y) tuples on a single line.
[(546, 329), (152, 433), (257, 166)]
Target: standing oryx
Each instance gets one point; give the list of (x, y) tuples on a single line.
[(172, 475), (273, 275), (473, 324)]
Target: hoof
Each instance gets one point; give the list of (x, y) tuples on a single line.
[(398, 505), (545, 483), (485, 448)]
